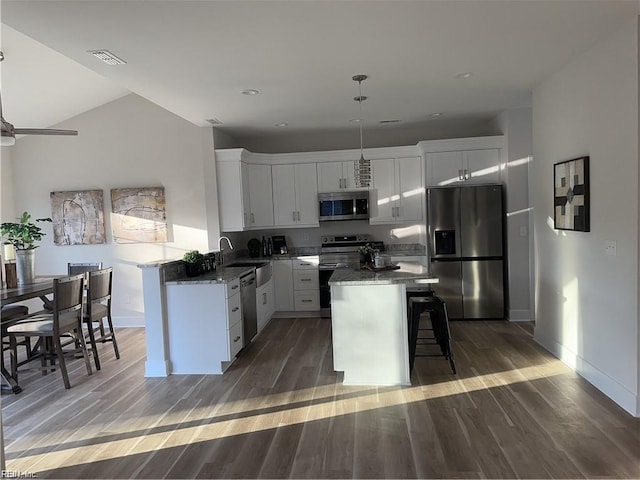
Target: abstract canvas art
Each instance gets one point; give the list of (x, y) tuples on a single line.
[(78, 217), (571, 195), (138, 215)]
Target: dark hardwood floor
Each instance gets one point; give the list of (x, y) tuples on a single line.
[(512, 411)]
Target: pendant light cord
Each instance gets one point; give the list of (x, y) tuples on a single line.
[(360, 114)]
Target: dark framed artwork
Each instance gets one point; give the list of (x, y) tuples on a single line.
[(571, 195)]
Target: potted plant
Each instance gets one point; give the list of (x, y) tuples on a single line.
[(193, 263), (23, 236), (367, 252)]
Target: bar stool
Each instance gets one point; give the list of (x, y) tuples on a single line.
[(437, 310)]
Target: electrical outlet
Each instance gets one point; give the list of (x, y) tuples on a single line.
[(610, 248)]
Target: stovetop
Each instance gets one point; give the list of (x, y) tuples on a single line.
[(341, 251)]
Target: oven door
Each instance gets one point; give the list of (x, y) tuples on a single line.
[(325, 290)]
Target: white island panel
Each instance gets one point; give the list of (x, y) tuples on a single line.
[(369, 328)]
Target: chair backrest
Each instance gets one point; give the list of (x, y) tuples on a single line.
[(67, 299), (99, 285), (76, 268)]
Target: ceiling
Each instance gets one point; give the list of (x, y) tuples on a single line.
[(195, 57)]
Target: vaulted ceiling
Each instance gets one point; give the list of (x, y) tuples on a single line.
[(194, 58)]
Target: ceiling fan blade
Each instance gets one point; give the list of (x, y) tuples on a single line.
[(44, 131)]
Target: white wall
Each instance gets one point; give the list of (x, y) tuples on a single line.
[(129, 142), (516, 126), (587, 302), (6, 185)]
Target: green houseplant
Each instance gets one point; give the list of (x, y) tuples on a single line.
[(367, 252), (23, 235), (193, 263)]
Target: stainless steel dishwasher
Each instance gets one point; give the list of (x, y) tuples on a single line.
[(249, 312)]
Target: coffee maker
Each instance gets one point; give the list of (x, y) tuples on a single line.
[(279, 245)]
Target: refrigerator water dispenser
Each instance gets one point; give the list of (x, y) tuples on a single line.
[(445, 242)]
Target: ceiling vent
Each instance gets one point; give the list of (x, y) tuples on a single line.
[(107, 57), (213, 121)]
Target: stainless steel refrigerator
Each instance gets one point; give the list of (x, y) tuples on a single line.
[(466, 245)]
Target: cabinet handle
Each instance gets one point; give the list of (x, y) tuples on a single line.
[(344, 183), (253, 220), (460, 175), (306, 301), (236, 339), (305, 279), (235, 309), (339, 183), (467, 174), (298, 215), (234, 287), (264, 298), (293, 216)]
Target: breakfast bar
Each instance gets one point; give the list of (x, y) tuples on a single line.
[(369, 323)]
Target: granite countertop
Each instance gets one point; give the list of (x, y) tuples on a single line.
[(409, 272), (221, 275)]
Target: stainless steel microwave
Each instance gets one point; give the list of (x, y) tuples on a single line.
[(344, 206)]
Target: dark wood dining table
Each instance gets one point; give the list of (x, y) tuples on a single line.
[(42, 287)]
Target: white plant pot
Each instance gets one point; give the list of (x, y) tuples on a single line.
[(26, 266)]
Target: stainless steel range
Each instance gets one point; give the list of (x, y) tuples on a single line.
[(339, 251)]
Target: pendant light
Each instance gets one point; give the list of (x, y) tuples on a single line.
[(362, 167)]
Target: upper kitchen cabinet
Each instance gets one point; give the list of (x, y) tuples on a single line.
[(295, 195), (397, 190), (470, 167), (336, 177), (245, 198)]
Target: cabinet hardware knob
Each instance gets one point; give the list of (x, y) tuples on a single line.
[(236, 339), (234, 287), (235, 309)]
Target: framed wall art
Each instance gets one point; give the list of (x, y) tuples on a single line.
[(571, 195), (139, 215), (78, 217)]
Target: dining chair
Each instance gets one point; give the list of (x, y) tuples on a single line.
[(9, 315), (64, 319), (97, 309), (76, 268)]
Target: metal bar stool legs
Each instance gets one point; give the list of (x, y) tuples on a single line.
[(439, 326)]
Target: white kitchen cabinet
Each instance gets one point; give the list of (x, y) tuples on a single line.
[(283, 285), (245, 198), (265, 304), (397, 190), (295, 195), (204, 326), (306, 290), (336, 177), (470, 167)]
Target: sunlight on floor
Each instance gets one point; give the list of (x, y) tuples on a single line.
[(266, 412)]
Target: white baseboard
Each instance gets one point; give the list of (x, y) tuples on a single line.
[(613, 389), (121, 322), (520, 315), (156, 369)]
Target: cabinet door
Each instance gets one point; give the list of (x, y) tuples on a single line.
[(283, 285), (383, 197), (261, 196), (306, 194), (262, 306), (445, 168), (482, 166), (231, 204), (410, 189), (284, 195), (330, 177)]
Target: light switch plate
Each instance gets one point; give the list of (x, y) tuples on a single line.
[(610, 248)]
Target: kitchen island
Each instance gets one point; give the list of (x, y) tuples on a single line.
[(369, 323)]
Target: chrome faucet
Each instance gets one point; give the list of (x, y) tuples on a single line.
[(220, 247)]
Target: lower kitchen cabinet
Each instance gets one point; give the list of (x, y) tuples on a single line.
[(204, 326), (265, 304), (296, 284)]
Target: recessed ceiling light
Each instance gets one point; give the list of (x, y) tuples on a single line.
[(355, 120), (250, 91), (436, 114), (464, 75), (107, 57), (390, 121), (283, 124)]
